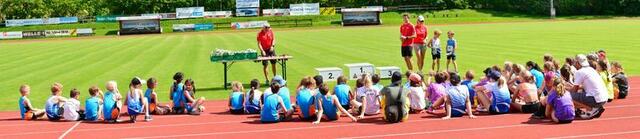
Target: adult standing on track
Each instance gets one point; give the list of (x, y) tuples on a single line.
[(419, 43), (267, 45), (407, 34)]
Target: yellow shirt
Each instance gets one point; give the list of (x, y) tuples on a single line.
[(607, 83)]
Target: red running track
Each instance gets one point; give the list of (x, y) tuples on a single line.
[(621, 120)]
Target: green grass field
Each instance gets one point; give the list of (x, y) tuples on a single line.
[(81, 63)]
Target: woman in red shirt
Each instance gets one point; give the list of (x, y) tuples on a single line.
[(419, 43)]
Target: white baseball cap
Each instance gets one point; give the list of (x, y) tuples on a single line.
[(266, 25), (420, 18), (582, 60)]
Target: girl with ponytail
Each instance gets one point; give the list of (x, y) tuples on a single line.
[(252, 101), (560, 104)]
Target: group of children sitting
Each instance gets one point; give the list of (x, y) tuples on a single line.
[(108, 106), (545, 92)]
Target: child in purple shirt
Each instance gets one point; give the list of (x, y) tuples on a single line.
[(436, 90), (560, 104)]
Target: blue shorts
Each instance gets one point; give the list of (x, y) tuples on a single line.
[(53, 114), (493, 110), (252, 109), (457, 111), (188, 107), (134, 109)]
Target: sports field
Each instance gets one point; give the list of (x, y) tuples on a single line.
[(83, 62)]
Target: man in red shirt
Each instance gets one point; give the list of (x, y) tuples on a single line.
[(419, 43), (407, 34), (267, 44)]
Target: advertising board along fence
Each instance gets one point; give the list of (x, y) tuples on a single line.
[(40, 21), (190, 12)]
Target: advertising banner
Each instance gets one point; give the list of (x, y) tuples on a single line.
[(183, 27), (328, 11), (204, 27), (275, 12), (111, 18), (218, 14), (33, 34), (84, 32), (304, 9), (11, 35), (251, 24), (58, 33), (40, 21), (247, 3), (360, 17), (247, 12), (139, 26), (168, 16), (190, 12)]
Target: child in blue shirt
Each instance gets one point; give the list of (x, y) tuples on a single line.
[(452, 46), (236, 98)]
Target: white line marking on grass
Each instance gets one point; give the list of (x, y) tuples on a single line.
[(596, 135), (479, 128), (70, 129)]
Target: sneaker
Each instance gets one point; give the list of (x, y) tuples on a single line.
[(598, 112), (147, 118), (536, 116), (583, 115), (480, 109)]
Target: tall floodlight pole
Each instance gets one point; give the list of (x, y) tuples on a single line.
[(552, 10)]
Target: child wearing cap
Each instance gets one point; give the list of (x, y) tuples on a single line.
[(452, 46), (417, 94), (27, 112), (500, 100), (419, 42)]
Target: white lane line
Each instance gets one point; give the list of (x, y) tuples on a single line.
[(70, 129), (208, 123), (479, 128), (597, 135)]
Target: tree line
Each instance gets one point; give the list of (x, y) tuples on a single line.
[(24, 9)]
